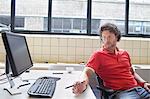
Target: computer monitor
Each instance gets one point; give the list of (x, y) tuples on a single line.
[(18, 58)]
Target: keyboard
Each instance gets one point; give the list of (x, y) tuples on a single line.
[(43, 87)]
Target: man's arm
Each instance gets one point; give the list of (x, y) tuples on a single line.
[(81, 85), (138, 78), (86, 74)]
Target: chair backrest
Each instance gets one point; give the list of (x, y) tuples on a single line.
[(105, 92)]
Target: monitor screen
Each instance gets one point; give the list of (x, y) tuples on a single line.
[(17, 53)]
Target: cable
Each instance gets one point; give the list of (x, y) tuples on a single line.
[(7, 80), (2, 74), (3, 82), (3, 79)]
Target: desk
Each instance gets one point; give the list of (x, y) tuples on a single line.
[(60, 91)]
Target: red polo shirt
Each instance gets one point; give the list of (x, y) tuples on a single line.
[(114, 69)]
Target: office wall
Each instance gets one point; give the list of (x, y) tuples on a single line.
[(77, 49)]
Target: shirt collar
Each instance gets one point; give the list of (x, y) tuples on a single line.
[(108, 52)]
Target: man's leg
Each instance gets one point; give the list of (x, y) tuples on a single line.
[(143, 93), (135, 93)]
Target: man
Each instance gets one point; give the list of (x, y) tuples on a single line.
[(113, 66)]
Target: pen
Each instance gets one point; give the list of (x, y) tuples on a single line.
[(72, 85), (22, 85), (69, 86), (57, 73)]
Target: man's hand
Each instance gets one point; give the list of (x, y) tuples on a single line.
[(79, 87), (147, 86)]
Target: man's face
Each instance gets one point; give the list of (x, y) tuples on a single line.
[(109, 40)]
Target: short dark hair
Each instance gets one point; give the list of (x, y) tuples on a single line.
[(111, 28)]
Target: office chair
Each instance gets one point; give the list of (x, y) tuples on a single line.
[(105, 92)]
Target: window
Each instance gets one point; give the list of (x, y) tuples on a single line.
[(121, 26), (68, 16), (74, 16), (108, 11), (5, 20), (139, 17), (57, 24), (5, 10), (67, 24), (95, 25), (146, 28), (33, 12)]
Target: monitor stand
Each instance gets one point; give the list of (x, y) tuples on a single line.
[(8, 71), (12, 90)]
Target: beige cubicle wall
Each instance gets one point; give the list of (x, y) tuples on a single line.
[(77, 49)]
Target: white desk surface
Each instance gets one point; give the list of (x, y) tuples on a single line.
[(141, 66), (60, 91)]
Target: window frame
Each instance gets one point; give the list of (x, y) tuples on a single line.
[(88, 19)]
